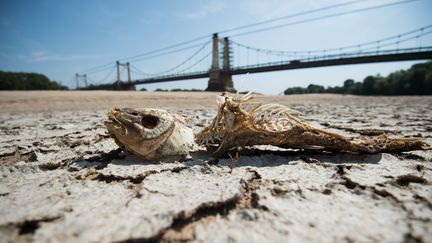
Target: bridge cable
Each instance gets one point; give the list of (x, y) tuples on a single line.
[(225, 31), (291, 16), (192, 65), (361, 52), (400, 41), (165, 48), (107, 76), (98, 69), (145, 57), (289, 53), (168, 52), (139, 71), (185, 61), (196, 63), (322, 17)]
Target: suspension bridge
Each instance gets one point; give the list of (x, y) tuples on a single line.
[(220, 58)]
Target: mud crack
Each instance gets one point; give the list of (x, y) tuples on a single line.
[(249, 197), (380, 191), (405, 180), (30, 226), (345, 180), (26, 228), (107, 157), (184, 223), (137, 179)]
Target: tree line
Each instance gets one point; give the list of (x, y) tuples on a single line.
[(27, 81), (417, 80), (100, 87)]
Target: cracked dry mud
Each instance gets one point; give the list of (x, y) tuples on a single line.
[(62, 179)]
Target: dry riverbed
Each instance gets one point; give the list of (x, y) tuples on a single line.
[(62, 179)]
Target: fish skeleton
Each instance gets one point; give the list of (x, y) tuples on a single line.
[(240, 122)]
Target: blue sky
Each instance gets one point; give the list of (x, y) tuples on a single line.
[(61, 38)]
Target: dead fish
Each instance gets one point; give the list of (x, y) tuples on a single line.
[(241, 122), (150, 133)]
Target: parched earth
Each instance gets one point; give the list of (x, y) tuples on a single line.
[(62, 179)]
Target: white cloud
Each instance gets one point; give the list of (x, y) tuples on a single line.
[(204, 10), (41, 56)]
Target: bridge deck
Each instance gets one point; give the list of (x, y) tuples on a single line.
[(342, 59)]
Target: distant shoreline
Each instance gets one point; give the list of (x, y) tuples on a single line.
[(36, 101)]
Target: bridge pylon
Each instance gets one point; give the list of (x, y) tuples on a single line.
[(220, 79), (78, 78), (124, 85)]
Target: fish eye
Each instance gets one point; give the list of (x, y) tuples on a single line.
[(149, 121), (135, 113)]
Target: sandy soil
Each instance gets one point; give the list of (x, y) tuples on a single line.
[(97, 100), (63, 179)]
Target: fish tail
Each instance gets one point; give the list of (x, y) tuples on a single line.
[(383, 143)]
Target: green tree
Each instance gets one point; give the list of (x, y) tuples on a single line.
[(295, 90), (313, 88), (348, 83), (27, 81), (369, 85)]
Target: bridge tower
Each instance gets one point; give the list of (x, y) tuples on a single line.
[(123, 85), (79, 77), (220, 79), (225, 75)]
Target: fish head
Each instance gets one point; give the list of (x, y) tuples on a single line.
[(139, 130)]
